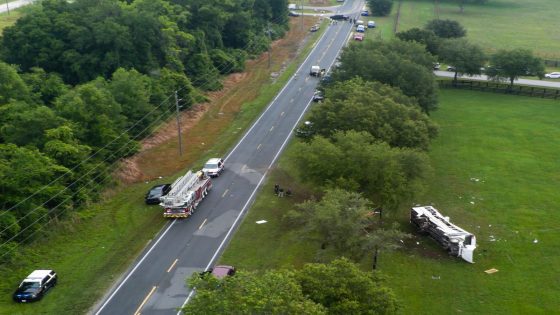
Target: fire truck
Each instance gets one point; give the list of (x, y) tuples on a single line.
[(185, 194), (452, 238)]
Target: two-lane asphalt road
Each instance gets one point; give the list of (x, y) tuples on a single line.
[(155, 284)]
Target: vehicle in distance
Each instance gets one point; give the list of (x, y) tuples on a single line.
[(360, 29), (156, 192), (436, 65), (364, 13), (318, 96), (293, 13), (359, 37), (35, 286), (552, 75), (221, 271), (314, 28), (214, 167), (451, 68), (371, 24), (340, 17)]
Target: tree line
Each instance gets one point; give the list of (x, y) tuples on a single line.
[(82, 82)]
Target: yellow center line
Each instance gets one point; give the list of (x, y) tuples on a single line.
[(259, 146), (225, 193), (282, 114), (145, 300), (200, 227), (271, 128), (172, 265)]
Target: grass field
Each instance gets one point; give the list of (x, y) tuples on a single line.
[(9, 19), (91, 250), (498, 24), (511, 145)]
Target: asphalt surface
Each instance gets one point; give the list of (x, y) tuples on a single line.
[(485, 78), (5, 7), (155, 283)]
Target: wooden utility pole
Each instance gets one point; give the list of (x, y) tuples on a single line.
[(178, 125)]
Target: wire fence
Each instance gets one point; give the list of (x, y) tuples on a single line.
[(504, 88)]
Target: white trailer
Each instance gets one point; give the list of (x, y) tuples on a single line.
[(452, 238)]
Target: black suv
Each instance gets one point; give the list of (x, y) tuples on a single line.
[(35, 286), (340, 17), (152, 197)]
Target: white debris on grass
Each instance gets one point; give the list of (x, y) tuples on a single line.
[(535, 241), (261, 221)]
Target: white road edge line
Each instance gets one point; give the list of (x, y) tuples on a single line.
[(134, 269), (230, 153), (273, 101), (262, 178), (249, 199)]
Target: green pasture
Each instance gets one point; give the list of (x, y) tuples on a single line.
[(498, 24), (496, 175)]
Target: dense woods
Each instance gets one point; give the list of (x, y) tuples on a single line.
[(81, 82)]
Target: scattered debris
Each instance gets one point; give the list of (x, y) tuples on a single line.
[(436, 277), (417, 243), (472, 202), (492, 238), (261, 221), (490, 271), (474, 179), (535, 241)]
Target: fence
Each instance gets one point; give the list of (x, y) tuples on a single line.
[(497, 87)]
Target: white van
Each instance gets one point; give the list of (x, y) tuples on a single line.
[(360, 29), (359, 22), (371, 24)]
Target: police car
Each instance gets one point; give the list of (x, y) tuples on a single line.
[(35, 286)]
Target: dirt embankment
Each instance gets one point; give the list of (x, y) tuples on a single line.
[(202, 124)]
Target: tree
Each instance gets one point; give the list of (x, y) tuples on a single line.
[(342, 288), (393, 174), (511, 64), (380, 7), (405, 65), (383, 111), (12, 87), (425, 37), (446, 28), (274, 292), (339, 220), (467, 58), (45, 87)]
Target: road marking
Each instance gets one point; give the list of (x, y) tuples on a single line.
[(259, 147), (135, 267), (248, 202), (282, 114), (271, 128), (145, 300), (225, 192), (292, 100), (200, 227), (176, 260), (299, 89)]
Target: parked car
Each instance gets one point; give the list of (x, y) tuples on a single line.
[(359, 37), (340, 17), (220, 272), (552, 75), (360, 29), (371, 24), (214, 167), (293, 13), (451, 68), (364, 13), (305, 130), (318, 96), (35, 286), (314, 28), (156, 192), (436, 65)]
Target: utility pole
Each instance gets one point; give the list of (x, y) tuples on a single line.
[(269, 44), (8, 7), (376, 253), (178, 125)]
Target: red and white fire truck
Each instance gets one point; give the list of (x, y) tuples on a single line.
[(185, 195)]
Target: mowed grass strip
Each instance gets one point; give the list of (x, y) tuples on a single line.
[(496, 175), (498, 24), (91, 250)]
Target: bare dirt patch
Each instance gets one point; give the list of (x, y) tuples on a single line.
[(203, 123)]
